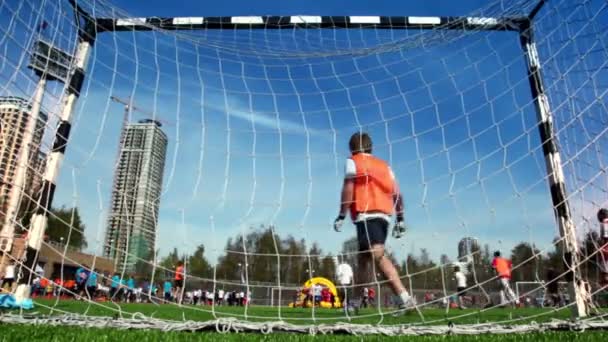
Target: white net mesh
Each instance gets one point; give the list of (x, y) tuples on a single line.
[(219, 144)]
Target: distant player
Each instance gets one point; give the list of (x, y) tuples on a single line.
[(365, 300), (167, 291), (503, 267), (371, 194), (92, 285), (552, 287), (81, 276), (179, 281), (115, 287), (602, 217), (461, 286), (130, 296), (345, 279)]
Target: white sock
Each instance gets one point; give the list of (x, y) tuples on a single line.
[(405, 297)]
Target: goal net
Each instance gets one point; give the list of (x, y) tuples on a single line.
[(185, 172)]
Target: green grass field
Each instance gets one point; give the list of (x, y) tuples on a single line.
[(290, 315)]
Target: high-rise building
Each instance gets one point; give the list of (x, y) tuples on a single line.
[(468, 249), (133, 218), (15, 113)]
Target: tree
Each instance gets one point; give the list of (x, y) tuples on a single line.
[(526, 259), (328, 268), (293, 258), (143, 267), (198, 265), (555, 259), (65, 226), (228, 264), (169, 263), (350, 248), (313, 266), (589, 255), (425, 258), (444, 260)]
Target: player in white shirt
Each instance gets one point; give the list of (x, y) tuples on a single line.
[(9, 277), (344, 274), (220, 297), (210, 297), (316, 293), (461, 286), (365, 300)]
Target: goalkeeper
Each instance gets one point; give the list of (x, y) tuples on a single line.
[(371, 195)]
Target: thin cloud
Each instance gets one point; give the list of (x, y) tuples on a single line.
[(238, 110)]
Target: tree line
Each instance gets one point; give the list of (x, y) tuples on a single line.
[(264, 256)]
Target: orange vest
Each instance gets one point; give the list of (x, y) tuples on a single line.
[(179, 273), (503, 267), (374, 186)]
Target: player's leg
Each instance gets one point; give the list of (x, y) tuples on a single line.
[(364, 260), (512, 298), (503, 299)]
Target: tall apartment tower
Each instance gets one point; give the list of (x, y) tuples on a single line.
[(14, 117), (468, 250), (131, 230)]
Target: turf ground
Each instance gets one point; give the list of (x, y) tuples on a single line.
[(294, 316)]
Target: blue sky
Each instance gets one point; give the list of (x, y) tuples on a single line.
[(258, 135)]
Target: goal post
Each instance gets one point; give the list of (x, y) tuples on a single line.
[(523, 25), (478, 116)]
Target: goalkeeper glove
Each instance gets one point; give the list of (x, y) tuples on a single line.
[(339, 222), (399, 228)]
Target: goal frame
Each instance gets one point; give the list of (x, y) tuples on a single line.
[(541, 287), (89, 27)]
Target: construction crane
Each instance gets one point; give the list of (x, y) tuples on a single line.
[(130, 107)]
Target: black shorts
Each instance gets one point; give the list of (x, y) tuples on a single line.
[(371, 232), (461, 291), (178, 283)]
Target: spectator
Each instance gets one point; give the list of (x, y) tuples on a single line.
[(243, 298), (316, 292), (48, 287), (553, 287), (232, 298), (115, 287), (57, 288), (130, 289), (81, 276), (326, 295), (92, 285), (209, 298), (365, 299), (167, 290), (9, 277), (372, 295), (220, 296)]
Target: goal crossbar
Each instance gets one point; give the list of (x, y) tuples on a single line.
[(308, 21)]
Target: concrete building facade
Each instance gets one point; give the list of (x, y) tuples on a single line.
[(132, 222), (14, 117)]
